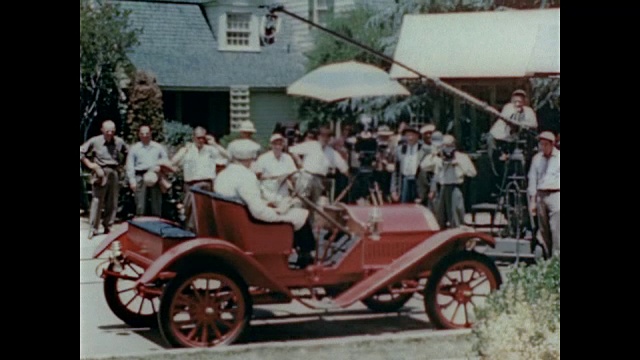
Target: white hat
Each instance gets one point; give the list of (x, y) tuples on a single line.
[(436, 138), (246, 126), (547, 135), (276, 136), (243, 149), (150, 178), (448, 140), (384, 130), (427, 128)]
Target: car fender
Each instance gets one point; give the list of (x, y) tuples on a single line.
[(251, 271), (411, 262), (116, 233)]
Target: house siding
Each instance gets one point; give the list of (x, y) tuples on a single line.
[(269, 108)]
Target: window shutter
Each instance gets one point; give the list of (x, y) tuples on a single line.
[(222, 31), (254, 39)]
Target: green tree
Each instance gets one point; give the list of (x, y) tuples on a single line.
[(380, 30), (145, 107), (105, 37)]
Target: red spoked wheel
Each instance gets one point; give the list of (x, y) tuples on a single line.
[(204, 309), (135, 309), (458, 284)]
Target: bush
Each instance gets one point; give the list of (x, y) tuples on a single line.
[(522, 319), (176, 134), (145, 107)]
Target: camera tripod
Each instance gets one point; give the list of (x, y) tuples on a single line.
[(512, 199)]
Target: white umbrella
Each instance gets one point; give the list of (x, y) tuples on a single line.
[(346, 80)]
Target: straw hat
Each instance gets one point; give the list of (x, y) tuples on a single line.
[(247, 126), (384, 130), (243, 149), (410, 128), (275, 137), (547, 135), (427, 128), (519, 92)]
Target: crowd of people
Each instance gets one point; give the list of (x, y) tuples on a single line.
[(374, 165)]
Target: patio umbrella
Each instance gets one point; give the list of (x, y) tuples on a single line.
[(346, 80)]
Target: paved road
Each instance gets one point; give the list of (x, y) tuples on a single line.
[(102, 333)]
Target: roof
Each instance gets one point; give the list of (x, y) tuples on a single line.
[(493, 44), (178, 47)]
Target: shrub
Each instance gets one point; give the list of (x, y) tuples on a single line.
[(522, 319), (145, 107), (176, 134)]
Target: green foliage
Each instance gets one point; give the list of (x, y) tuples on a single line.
[(380, 30), (176, 134), (105, 38), (546, 91), (354, 25), (145, 107), (522, 319)]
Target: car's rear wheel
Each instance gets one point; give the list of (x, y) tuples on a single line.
[(204, 309), (458, 284)]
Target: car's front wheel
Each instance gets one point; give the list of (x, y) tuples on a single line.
[(458, 284)]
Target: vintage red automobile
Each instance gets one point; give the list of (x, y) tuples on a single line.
[(199, 289)]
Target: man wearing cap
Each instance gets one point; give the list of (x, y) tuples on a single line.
[(145, 157), (385, 160), (272, 168), (423, 181), (246, 130), (518, 112), (237, 180), (103, 154), (318, 160), (408, 156), (198, 161), (343, 144), (427, 170), (450, 168), (544, 189)]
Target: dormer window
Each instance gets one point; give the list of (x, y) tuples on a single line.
[(238, 32)]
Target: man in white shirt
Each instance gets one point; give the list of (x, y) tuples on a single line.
[(237, 180), (318, 160), (408, 156), (272, 167), (198, 162), (507, 134), (544, 189), (246, 131), (518, 112), (450, 169)]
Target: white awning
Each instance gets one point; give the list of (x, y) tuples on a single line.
[(492, 44)]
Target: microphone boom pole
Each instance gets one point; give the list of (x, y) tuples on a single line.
[(482, 105)]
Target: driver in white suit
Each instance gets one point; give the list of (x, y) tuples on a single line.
[(237, 180)]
